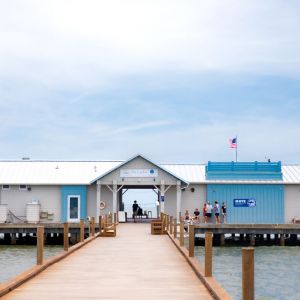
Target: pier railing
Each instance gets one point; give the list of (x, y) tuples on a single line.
[(172, 224)]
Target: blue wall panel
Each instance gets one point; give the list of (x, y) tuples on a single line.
[(269, 202), (68, 190)]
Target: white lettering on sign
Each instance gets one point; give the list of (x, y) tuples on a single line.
[(135, 173)]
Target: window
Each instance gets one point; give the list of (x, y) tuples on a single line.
[(5, 187), (23, 187)]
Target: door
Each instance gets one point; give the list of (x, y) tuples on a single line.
[(73, 208)]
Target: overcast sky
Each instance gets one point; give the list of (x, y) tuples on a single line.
[(173, 80)]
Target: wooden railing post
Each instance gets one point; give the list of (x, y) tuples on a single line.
[(208, 254), (66, 236), (191, 240), (248, 273), (93, 226), (115, 218), (81, 230), (168, 223), (100, 223), (40, 245), (175, 229), (181, 233), (171, 225)]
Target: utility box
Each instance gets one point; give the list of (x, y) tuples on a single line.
[(3, 213), (33, 212)]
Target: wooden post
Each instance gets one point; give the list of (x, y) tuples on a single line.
[(40, 245), (181, 233), (248, 273), (168, 223), (222, 239), (81, 230), (191, 240), (175, 229), (115, 218), (100, 220), (208, 254), (252, 240), (66, 236), (171, 225), (93, 226)]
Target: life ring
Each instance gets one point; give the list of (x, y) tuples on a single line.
[(102, 205)]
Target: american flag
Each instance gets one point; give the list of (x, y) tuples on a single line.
[(233, 143)]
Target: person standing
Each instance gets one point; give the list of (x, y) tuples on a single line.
[(135, 208), (209, 211), (217, 212), (224, 211), (205, 212)]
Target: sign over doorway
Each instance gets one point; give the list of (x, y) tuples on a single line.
[(135, 173)]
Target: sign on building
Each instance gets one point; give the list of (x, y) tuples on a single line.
[(136, 173), (244, 202)]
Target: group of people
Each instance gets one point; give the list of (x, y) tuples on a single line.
[(208, 212)]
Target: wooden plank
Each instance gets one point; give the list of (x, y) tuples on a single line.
[(106, 266)]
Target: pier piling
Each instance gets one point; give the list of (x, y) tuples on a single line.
[(191, 240), (66, 236), (248, 273), (40, 245), (181, 233), (208, 254), (81, 230)]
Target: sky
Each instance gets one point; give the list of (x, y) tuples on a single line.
[(172, 80)]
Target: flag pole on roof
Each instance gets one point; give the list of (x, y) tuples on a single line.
[(233, 145)]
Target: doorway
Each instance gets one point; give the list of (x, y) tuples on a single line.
[(73, 208), (147, 199)]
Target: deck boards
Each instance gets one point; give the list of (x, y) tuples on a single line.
[(134, 265)]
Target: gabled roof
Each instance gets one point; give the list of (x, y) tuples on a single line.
[(84, 172), (144, 158)]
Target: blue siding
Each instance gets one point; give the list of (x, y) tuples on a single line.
[(269, 202), (243, 170), (73, 190)]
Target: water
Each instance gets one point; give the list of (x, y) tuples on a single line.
[(277, 271), (17, 259)]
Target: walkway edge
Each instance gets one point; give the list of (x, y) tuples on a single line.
[(215, 289), (23, 277)]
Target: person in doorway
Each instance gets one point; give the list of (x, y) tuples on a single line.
[(204, 212), (197, 215), (209, 209), (217, 212), (135, 208), (224, 211)]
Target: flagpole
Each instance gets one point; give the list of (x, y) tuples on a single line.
[(236, 148)]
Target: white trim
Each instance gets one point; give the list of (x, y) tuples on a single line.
[(68, 208), (23, 189), (5, 189)]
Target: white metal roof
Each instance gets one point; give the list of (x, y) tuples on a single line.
[(85, 172)]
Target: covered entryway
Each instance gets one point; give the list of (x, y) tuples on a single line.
[(142, 174)]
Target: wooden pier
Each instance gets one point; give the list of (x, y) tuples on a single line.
[(132, 265)]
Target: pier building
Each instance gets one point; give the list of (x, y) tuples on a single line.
[(67, 191)]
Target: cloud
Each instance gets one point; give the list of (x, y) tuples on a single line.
[(88, 44)]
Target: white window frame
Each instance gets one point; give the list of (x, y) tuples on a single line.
[(21, 188), (4, 188), (68, 208)]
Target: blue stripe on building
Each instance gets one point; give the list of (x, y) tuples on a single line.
[(69, 190)]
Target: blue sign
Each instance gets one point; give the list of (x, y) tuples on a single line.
[(162, 198), (244, 202)]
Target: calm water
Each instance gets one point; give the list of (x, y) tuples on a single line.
[(17, 259), (277, 271)]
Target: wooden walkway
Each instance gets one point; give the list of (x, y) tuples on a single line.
[(134, 265)]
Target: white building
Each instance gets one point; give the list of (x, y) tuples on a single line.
[(70, 190)]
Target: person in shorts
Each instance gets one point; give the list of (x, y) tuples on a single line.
[(208, 211), (217, 212), (224, 211)]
